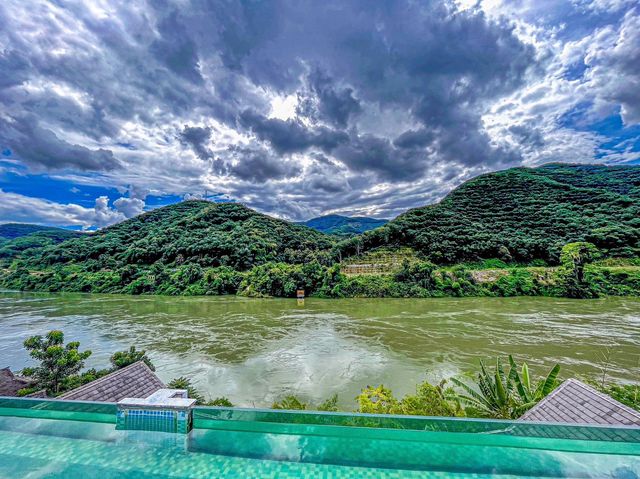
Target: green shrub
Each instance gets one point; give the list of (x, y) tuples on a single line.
[(289, 402)]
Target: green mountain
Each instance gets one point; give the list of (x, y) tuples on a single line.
[(16, 238), (11, 231), (199, 232), (343, 225), (521, 214)]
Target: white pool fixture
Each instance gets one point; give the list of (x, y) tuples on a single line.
[(166, 410)]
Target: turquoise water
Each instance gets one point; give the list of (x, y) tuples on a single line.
[(257, 444)]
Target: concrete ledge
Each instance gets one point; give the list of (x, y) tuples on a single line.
[(161, 399)]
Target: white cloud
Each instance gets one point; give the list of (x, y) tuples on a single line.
[(26, 209), (129, 206), (614, 67)]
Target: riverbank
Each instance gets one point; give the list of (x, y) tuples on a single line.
[(613, 277)]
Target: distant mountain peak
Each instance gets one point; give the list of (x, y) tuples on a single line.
[(343, 225)]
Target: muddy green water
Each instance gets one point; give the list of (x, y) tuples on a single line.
[(256, 350)]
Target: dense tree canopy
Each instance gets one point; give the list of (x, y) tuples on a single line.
[(521, 214), (16, 238), (199, 232)]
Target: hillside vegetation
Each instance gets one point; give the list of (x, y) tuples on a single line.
[(168, 249), (16, 238), (521, 215), (558, 230)]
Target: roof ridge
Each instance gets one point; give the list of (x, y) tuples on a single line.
[(545, 399), (104, 378)]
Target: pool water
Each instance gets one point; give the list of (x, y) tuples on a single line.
[(257, 444)]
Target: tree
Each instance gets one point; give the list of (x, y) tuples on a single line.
[(429, 400), (376, 400), (573, 258), (530, 394), (185, 383), (122, 359), (220, 402), (420, 273), (330, 404), (57, 361)]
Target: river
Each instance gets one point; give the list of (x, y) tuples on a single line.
[(256, 350)]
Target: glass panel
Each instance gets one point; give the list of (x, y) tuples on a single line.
[(209, 417), (58, 409)]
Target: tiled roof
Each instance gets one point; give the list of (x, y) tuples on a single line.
[(135, 380), (11, 384), (575, 402)]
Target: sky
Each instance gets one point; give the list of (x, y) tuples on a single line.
[(300, 108)]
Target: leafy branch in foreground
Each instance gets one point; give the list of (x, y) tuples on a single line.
[(503, 395)]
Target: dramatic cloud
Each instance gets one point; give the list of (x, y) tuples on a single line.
[(19, 208), (128, 206), (614, 66), (41, 148), (197, 137), (290, 136), (300, 108)]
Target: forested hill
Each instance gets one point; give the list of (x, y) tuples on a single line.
[(16, 238), (200, 232), (343, 225), (521, 214), (9, 231)]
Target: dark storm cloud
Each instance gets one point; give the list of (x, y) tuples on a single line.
[(334, 104), (176, 50), (259, 165), (289, 136), (527, 135), (12, 61), (423, 57), (197, 138), (42, 149), (324, 176), (414, 139), (372, 153), (437, 64)]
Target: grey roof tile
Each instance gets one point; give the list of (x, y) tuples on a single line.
[(135, 380), (575, 402)]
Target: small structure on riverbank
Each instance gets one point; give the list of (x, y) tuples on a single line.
[(574, 402)]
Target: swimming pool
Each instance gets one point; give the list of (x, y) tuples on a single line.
[(56, 439)]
